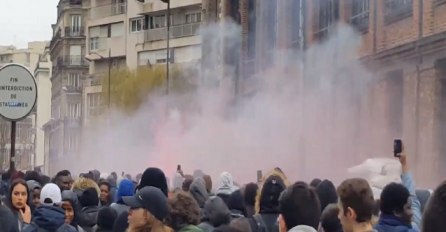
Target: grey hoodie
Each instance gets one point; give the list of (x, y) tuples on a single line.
[(302, 228), (198, 191)]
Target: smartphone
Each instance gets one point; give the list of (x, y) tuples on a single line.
[(178, 167), (397, 147)]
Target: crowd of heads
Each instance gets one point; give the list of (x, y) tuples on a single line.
[(151, 202)]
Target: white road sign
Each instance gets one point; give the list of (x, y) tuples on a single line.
[(18, 92)]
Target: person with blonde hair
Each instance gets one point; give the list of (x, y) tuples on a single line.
[(148, 208)]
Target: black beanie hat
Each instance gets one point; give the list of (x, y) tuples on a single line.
[(107, 217), (89, 197), (156, 178)]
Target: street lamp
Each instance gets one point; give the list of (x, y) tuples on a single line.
[(109, 69), (168, 45)]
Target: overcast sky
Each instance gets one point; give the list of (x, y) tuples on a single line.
[(22, 21)]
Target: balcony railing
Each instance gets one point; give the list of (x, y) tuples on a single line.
[(179, 31), (71, 61), (361, 21), (108, 10), (74, 31), (73, 89)]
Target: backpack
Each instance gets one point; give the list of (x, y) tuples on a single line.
[(257, 224)]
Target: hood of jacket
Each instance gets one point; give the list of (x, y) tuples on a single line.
[(125, 189), (198, 191), (302, 228), (111, 181), (215, 212), (268, 192), (226, 185), (327, 193), (32, 184), (391, 223), (177, 182), (89, 216), (49, 217), (72, 197), (96, 175), (235, 201), (85, 183), (423, 196)]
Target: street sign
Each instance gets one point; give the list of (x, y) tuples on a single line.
[(18, 92)]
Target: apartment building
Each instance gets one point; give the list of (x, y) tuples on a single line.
[(403, 44), (128, 34), (69, 69), (25, 142), (42, 73)]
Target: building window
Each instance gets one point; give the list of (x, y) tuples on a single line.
[(76, 23), (94, 104), (360, 15), (94, 44), (72, 142), (74, 110), (74, 79), (328, 15), (193, 18), (397, 9), (158, 21), (136, 25)]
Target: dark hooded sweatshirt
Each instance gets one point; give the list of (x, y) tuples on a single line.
[(113, 188), (70, 196), (48, 218), (235, 204), (89, 200), (268, 210), (215, 214), (199, 192)]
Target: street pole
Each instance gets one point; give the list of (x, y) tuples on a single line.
[(168, 47), (109, 77), (12, 148)]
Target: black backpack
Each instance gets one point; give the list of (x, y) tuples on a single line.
[(257, 224)]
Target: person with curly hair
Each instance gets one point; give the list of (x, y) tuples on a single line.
[(184, 213)]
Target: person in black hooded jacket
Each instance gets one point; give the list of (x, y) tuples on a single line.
[(236, 205), (72, 209), (267, 203), (215, 214), (106, 218), (89, 201), (327, 193)]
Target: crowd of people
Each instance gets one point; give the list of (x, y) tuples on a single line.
[(32, 202)]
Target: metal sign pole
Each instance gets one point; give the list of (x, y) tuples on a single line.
[(12, 149)]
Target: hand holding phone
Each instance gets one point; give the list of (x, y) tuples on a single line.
[(397, 147), (178, 167)]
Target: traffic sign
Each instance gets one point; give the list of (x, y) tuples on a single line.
[(18, 92)]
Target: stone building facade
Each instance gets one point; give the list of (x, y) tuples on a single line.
[(403, 46)]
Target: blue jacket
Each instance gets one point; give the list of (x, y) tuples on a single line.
[(48, 218), (409, 183), (391, 223)]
